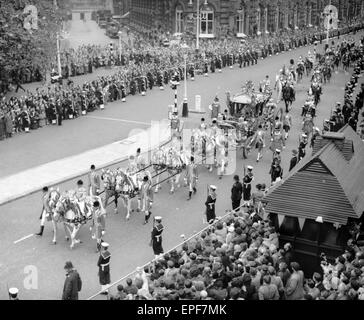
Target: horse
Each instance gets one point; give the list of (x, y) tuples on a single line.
[(288, 95), (126, 189), (300, 70), (326, 72), (174, 166), (316, 91), (308, 66), (73, 214), (108, 177)]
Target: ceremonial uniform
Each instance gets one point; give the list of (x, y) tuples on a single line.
[(191, 177), (156, 237), (94, 183), (99, 223), (46, 212), (215, 109), (104, 267), (146, 198), (277, 141)]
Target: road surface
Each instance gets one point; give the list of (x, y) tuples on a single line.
[(128, 240)]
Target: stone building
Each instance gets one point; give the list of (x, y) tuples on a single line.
[(220, 18)]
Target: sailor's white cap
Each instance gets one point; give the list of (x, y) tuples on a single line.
[(249, 167), (158, 218), (213, 187), (105, 244), (13, 291)]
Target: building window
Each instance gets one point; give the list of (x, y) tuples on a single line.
[(179, 21), (207, 22), (240, 23)]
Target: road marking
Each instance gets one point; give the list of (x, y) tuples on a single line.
[(24, 238), (119, 120)]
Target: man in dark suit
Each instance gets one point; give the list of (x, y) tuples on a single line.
[(72, 284)]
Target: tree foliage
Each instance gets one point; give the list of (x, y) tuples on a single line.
[(20, 48)]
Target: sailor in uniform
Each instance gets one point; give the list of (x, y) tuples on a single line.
[(156, 239), (191, 177), (104, 267), (46, 211), (247, 181), (13, 294)]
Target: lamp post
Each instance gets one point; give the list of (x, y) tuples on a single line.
[(198, 22), (120, 34), (185, 99), (59, 55)]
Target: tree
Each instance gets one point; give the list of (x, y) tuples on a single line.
[(20, 48)]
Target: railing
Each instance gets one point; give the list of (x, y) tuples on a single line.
[(169, 251)]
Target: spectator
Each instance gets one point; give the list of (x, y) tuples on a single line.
[(294, 288), (73, 284)]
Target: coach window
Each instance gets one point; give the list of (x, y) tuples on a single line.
[(207, 22), (179, 19)]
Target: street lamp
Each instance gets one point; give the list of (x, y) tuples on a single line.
[(197, 22), (120, 34), (185, 100)]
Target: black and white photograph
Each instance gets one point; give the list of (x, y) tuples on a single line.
[(191, 151)]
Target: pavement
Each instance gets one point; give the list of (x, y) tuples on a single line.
[(49, 174), (24, 255)]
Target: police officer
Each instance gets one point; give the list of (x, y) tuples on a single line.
[(156, 238), (104, 267), (46, 211), (247, 180)]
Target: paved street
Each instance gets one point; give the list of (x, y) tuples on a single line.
[(129, 240)]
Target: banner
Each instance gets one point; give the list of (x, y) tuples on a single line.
[(280, 219), (301, 222)]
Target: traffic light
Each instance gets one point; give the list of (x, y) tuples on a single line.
[(111, 47)]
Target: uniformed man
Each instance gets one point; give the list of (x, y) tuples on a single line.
[(215, 108), (94, 182), (140, 160), (46, 210), (175, 125), (104, 267), (146, 197), (302, 146), (13, 294), (287, 124), (247, 181), (99, 224), (156, 239), (202, 125), (191, 177)]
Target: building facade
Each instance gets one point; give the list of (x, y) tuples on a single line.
[(220, 18), (83, 9)]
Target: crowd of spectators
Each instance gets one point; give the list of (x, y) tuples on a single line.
[(239, 258), (138, 71)]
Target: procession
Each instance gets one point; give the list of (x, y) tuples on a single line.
[(250, 188)]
